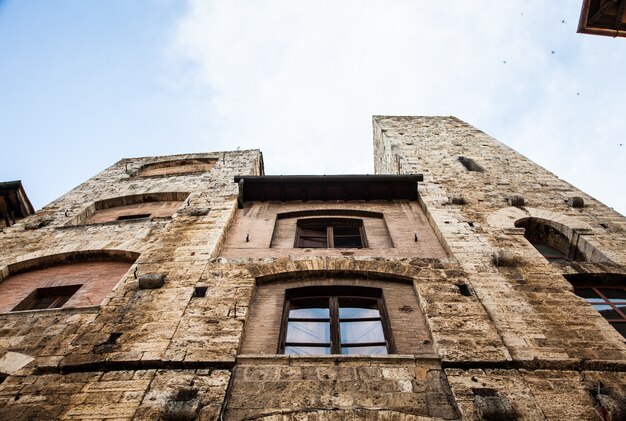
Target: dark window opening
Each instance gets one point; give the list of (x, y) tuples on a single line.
[(44, 298), (470, 164), (200, 291), (335, 320), (609, 301), (135, 216), (551, 254), (549, 241), (330, 233)]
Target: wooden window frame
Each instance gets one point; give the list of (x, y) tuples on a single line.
[(329, 224), (605, 301), (333, 294), (62, 293)]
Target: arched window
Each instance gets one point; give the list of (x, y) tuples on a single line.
[(555, 246), (134, 207), (81, 279), (177, 167), (322, 313)]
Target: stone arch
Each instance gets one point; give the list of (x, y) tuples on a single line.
[(81, 278), (266, 323), (286, 267), (507, 217), (174, 167), (355, 414), (155, 204), (562, 233)]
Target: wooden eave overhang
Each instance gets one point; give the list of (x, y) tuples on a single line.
[(327, 187), (603, 17), (14, 201)]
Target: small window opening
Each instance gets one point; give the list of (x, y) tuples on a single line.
[(485, 392), (330, 233), (550, 242), (135, 216), (45, 298), (200, 291), (113, 337), (470, 164), (464, 290), (186, 395)]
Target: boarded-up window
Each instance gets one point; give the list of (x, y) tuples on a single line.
[(177, 167)]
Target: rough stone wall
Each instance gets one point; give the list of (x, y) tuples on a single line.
[(544, 327), (142, 353), (508, 338)]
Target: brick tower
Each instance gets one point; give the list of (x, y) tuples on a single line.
[(462, 281)]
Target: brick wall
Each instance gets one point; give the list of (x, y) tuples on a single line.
[(402, 221), (408, 327), (97, 279)]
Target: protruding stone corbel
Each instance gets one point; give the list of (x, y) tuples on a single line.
[(515, 200), (151, 281), (576, 202), (503, 258)]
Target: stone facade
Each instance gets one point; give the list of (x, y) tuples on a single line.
[(484, 326)]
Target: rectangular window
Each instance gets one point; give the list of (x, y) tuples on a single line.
[(610, 302), (330, 233), (135, 216), (44, 298), (335, 324)]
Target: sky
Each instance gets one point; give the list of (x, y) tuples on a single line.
[(86, 83)]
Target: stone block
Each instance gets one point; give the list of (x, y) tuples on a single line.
[(151, 281)]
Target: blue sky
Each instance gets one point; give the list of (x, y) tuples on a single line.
[(86, 83)]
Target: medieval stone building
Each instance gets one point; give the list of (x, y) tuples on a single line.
[(462, 281)]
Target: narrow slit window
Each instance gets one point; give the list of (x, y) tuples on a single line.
[(470, 164), (134, 216)]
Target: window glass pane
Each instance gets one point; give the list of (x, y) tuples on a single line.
[(313, 231), (307, 350), (364, 350), (313, 242), (607, 311), (348, 242), (621, 307), (614, 294), (357, 309), (351, 231), (361, 332), (549, 251), (620, 327), (311, 332), (309, 309), (588, 294)]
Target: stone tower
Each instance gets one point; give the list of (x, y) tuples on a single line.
[(462, 281)]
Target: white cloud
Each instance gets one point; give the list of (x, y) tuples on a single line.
[(300, 80)]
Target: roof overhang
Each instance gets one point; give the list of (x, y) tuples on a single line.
[(603, 17), (327, 187), (14, 201)]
